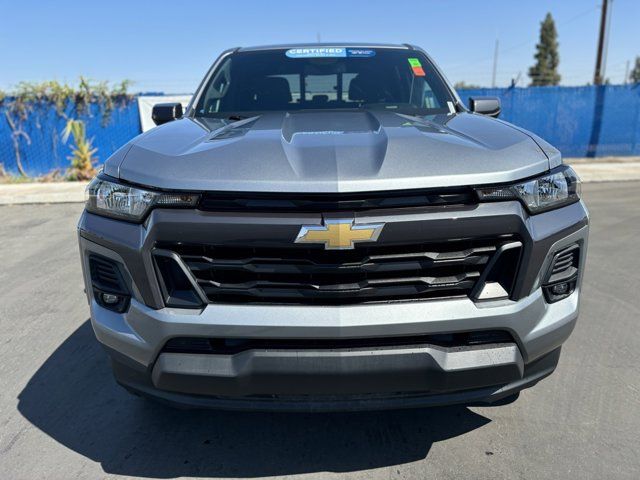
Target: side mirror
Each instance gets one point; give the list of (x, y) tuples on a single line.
[(485, 105), (166, 112)]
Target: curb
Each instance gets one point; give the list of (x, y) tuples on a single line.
[(607, 172), (73, 192), (54, 192)]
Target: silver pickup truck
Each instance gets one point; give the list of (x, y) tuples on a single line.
[(328, 227)]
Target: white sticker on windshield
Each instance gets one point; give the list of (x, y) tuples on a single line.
[(327, 52), (316, 52)]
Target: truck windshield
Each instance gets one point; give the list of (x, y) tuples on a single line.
[(294, 79)]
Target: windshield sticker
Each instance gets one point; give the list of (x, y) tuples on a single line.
[(416, 66), (360, 52), (329, 52), (317, 52)]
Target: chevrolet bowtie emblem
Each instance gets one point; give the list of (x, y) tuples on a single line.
[(339, 234)]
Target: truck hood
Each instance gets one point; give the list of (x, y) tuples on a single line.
[(329, 151)]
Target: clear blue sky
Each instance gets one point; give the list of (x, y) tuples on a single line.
[(168, 47)]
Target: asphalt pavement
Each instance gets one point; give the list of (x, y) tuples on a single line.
[(63, 417)]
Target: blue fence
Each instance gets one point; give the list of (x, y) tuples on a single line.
[(591, 121), (41, 148), (581, 121)]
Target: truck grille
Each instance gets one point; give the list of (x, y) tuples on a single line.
[(302, 275)]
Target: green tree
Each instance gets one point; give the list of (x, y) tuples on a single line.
[(634, 76), (545, 70)]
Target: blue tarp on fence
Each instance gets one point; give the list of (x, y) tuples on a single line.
[(585, 121), (590, 121), (42, 150)]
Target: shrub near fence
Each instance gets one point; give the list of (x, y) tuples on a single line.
[(585, 121)]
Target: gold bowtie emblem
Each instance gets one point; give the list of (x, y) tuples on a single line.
[(339, 234)]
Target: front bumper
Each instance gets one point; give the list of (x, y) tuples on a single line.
[(341, 378), (466, 383)]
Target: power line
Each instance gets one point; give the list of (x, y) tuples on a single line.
[(522, 44), (457, 67)]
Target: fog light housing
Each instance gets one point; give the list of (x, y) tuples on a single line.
[(112, 301), (560, 288), (558, 291), (110, 298), (110, 289), (562, 277)]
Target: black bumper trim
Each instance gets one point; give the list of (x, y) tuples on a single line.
[(534, 372), (339, 372)]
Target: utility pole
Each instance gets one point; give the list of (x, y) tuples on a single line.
[(599, 73), (626, 73), (495, 65)]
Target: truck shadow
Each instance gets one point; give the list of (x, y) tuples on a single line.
[(74, 400)]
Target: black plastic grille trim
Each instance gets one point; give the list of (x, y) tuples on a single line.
[(305, 275), (106, 276), (230, 346), (320, 202), (565, 265)]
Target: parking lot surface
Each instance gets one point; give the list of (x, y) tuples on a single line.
[(63, 417)]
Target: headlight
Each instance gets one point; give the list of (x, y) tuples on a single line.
[(112, 199), (558, 188)]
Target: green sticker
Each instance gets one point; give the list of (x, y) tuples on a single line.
[(414, 62)]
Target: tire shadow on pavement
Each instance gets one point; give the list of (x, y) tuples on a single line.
[(73, 399)]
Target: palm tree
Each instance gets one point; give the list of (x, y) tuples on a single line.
[(82, 153)]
